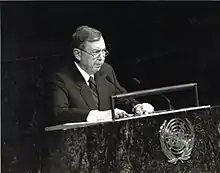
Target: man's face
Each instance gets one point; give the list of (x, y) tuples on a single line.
[(92, 64)]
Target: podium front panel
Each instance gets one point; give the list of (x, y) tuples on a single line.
[(174, 142)]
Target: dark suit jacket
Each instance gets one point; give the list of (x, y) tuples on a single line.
[(69, 98)]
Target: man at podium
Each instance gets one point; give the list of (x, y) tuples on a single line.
[(80, 90)]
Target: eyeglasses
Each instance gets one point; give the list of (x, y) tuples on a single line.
[(95, 54)]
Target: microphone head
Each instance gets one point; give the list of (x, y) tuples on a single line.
[(136, 80)]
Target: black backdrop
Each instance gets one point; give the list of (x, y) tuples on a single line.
[(159, 43)]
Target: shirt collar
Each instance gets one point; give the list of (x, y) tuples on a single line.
[(85, 75)]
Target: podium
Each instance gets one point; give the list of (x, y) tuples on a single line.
[(184, 140)]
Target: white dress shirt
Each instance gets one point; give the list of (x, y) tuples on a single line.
[(85, 75)]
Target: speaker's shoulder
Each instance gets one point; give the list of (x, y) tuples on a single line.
[(106, 68)]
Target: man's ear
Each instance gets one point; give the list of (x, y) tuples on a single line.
[(77, 53)]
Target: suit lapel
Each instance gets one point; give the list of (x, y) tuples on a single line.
[(84, 89), (101, 87), (87, 96)]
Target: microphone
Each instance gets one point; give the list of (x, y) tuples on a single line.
[(168, 101), (137, 81), (119, 89)]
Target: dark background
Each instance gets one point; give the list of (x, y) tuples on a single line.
[(160, 44)]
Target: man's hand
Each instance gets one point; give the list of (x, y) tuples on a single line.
[(143, 109), (120, 113), (96, 115)]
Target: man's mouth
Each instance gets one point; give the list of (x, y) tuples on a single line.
[(99, 65)]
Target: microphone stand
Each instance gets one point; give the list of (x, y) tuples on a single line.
[(165, 97), (168, 101)]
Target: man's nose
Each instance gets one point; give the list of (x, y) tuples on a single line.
[(100, 57)]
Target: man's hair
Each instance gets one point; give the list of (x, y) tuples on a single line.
[(83, 34)]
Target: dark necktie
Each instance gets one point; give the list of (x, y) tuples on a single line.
[(93, 89)]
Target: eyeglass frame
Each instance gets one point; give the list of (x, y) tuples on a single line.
[(94, 56)]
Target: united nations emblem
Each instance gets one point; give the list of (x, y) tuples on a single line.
[(177, 139)]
